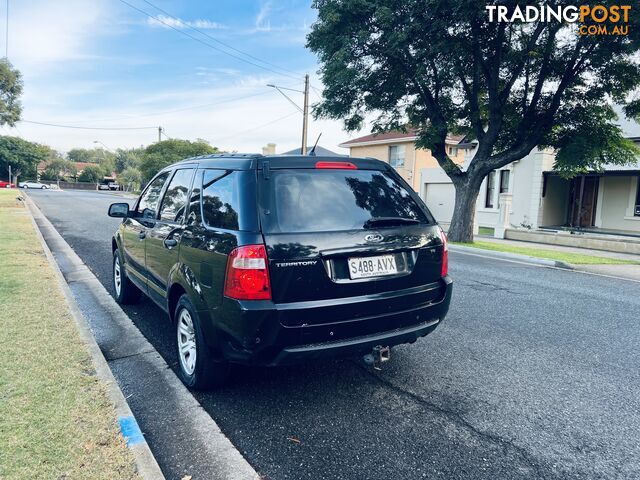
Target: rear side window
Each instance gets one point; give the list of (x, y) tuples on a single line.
[(174, 201), (228, 199), (332, 200), (148, 205)]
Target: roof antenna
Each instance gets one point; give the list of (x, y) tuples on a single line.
[(312, 153)]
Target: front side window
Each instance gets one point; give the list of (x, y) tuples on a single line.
[(148, 204), (174, 202), (491, 187), (504, 181), (396, 156)]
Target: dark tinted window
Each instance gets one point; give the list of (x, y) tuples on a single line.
[(228, 199), (148, 205), (174, 201), (331, 200)]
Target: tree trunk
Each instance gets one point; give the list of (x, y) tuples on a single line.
[(464, 211)]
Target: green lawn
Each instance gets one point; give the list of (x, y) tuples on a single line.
[(567, 257), (486, 231), (56, 420)]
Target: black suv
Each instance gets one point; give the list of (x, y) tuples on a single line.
[(270, 260)]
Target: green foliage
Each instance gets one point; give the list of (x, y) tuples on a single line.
[(91, 155), (10, 91), (23, 156), (130, 178), (159, 155), (130, 158), (59, 169), (92, 174), (441, 66), (590, 140)]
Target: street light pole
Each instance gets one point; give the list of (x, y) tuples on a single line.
[(305, 115)]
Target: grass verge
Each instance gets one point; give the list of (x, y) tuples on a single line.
[(57, 421), (558, 255)]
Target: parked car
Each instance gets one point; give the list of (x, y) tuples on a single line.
[(114, 186), (33, 184), (5, 184), (103, 186), (273, 260)]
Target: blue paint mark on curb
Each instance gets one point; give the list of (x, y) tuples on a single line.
[(131, 431)]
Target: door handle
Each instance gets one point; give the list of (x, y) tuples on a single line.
[(142, 235), (170, 242)]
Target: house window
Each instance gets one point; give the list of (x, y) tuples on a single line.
[(636, 209), (396, 156), (504, 181), (491, 187), (453, 151)]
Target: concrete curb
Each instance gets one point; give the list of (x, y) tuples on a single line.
[(146, 464), (225, 462), (511, 256)]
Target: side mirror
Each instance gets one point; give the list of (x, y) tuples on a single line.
[(119, 210)]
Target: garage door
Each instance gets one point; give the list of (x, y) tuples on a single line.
[(440, 198)]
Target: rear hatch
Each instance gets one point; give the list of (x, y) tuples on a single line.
[(344, 238)]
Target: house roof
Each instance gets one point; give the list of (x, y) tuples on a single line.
[(397, 136)]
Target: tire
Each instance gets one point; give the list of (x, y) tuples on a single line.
[(25, 186), (204, 372), (126, 292), (43, 187)]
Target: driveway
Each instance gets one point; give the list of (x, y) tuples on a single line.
[(534, 374)]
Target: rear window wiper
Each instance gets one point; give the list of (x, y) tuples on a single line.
[(389, 221)]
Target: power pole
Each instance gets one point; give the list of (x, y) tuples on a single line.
[(159, 134), (305, 115)]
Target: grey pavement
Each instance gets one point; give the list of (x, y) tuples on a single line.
[(534, 374)]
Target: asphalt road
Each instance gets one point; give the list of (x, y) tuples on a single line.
[(534, 374)]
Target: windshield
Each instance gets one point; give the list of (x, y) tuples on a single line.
[(332, 200)]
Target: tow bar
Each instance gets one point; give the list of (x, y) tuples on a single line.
[(378, 356)]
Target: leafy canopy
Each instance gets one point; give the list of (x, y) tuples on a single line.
[(161, 154), (10, 91), (22, 156), (441, 66)]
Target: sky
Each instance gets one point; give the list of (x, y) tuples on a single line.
[(133, 64), (103, 63)]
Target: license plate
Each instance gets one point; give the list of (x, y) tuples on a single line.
[(372, 266)]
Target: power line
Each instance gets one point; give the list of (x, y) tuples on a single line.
[(199, 40), (79, 127), (231, 47), (175, 110), (257, 127)]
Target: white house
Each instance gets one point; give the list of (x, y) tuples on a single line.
[(534, 196)]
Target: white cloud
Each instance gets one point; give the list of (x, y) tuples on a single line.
[(165, 21), (262, 19)]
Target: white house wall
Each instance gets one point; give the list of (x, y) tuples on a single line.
[(616, 201)]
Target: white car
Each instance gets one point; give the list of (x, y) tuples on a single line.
[(30, 184)]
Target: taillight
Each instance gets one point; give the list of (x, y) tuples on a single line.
[(444, 269), (247, 274), (337, 165)]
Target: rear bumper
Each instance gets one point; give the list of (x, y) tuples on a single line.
[(353, 346), (256, 333)]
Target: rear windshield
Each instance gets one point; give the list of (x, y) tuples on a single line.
[(332, 200)]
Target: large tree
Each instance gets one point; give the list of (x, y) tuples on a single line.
[(160, 154), (10, 91), (441, 66), (21, 156)]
